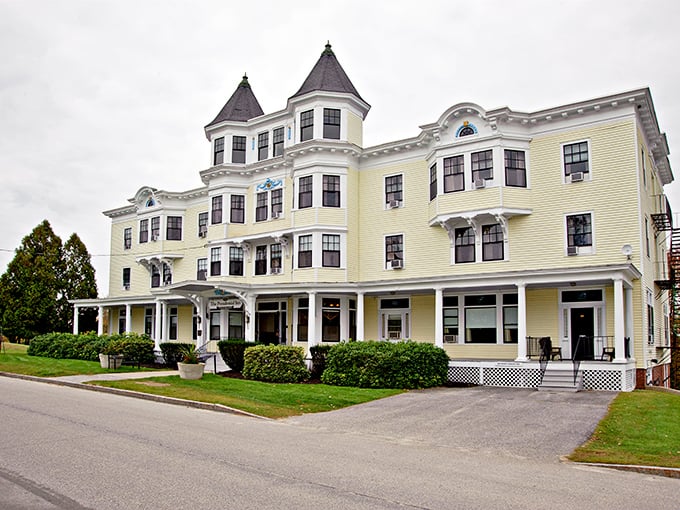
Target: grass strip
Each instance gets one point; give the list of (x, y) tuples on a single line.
[(14, 359), (642, 428), (264, 399)]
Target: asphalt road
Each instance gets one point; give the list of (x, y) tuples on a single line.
[(65, 448)]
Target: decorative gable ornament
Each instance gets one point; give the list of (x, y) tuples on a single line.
[(466, 129)]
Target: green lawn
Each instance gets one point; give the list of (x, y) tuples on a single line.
[(264, 399), (14, 359), (641, 428)]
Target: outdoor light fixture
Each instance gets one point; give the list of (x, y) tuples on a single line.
[(627, 250)]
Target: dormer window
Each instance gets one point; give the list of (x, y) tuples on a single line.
[(306, 125), (331, 123)]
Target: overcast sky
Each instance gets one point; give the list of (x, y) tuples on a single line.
[(99, 98)]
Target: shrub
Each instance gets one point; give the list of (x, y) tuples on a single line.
[(232, 351), (173, 352), (132, 346), (404, 365), (319, 353), (275, 363)]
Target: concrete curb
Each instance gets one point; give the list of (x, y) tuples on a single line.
[(647, 470), (135, 394)]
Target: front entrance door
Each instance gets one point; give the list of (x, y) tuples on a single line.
[(582, 323)]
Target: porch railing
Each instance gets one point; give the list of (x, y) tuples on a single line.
[(593, 347)]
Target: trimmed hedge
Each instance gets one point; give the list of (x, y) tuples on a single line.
[(275, 363), (88, 346), (403, 365), (173, 352), (319, 353), (232, 351)]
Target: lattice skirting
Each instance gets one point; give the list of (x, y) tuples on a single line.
[(528, 375)]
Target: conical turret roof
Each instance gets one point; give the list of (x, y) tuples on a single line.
[(327, 75), (242, 105)]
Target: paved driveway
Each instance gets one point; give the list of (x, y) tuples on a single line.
[(513, 422)]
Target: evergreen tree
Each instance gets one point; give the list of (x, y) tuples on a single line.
[(39, 281), (78, 282), (31, 285)]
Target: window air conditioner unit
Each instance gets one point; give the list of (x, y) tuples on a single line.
[(203, 231), (276, 270), (396, 264), (167, 281), (276, 215), (576, 177), (154, 238), (126, 286), (395, 335), (394, 204), (450, 339), (572, 250), (480, 183)]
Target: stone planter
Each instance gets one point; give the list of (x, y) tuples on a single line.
[(190, 370), (113, 361)]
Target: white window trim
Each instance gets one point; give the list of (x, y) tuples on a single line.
[(580, 250), (384, 190), (588, 176), (406, 317)]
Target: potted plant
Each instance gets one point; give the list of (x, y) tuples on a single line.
[(110, 356), (190, 367)]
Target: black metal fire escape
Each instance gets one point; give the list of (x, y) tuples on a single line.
[(663, 222)]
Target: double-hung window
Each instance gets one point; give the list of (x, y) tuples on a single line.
[(261, 208), (155, 228), (454, 176), (201, 269), (330, 246), (465, 244), (127, 238), (174, 228), (331, 191), (510, 319), (331, 123), (143, 231), (480, 319), (277, 203), (306, 125), (261, 260), (235, 261), (433, 181), (450, 319), (216, 209), (215, 261), (238, 149), (515, 168), (218, 155), (305, 192), (275, 258), (575, 158), (393, 189), (277, 139), (262, 146), (305, 251), (126, 278), (482, 166), (155, 276), (394, 251), (579, 231), (167, 274), (202, 224), (492, 242), (237, 212)]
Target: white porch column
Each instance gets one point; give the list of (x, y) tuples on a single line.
[(619, 323), (76, 312), (157, 326), (311, 326), (521, 322), (629, 332), (439, 318), (360, 317), (164, 326), (250, 318), (100, 320), (128, 318)]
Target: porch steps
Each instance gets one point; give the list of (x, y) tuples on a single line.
[(561, 378)]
